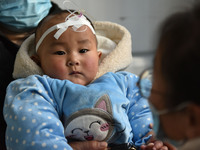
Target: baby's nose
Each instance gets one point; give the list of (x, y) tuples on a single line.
[(73, 63)]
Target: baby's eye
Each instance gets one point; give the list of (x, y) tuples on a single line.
[(60, 53), (83, 50)]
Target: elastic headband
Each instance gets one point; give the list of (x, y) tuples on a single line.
[(75, 21)]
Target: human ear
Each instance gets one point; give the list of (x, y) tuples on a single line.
[(193, 111), (99, 54), (36, 59)]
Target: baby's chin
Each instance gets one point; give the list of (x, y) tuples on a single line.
[(79, 81)]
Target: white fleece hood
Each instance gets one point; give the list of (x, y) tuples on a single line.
[(114, 41)]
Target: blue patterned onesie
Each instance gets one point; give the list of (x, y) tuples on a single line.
[(44, 113)]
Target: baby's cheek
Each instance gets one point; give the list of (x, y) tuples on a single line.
[(91, 64), (56, 71)]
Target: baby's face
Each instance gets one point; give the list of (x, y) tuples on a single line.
[(73, 56)]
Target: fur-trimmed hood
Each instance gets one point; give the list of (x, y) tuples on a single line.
[(113, 39)]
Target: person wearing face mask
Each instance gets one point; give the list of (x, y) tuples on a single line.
[(174, 93), (18, 19)]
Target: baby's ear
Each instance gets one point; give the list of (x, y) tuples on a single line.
[(36, 59), (99, 53)]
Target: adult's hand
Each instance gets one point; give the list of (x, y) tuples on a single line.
[(89, 145)]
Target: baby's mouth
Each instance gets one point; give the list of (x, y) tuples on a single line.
[(74, 73)]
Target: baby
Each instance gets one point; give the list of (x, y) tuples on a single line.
[(67, 104)]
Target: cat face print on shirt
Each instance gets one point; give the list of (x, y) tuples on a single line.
[(91, 123)]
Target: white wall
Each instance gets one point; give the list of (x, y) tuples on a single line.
[(140, 17)]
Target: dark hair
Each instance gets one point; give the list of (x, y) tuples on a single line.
[(179, 55)]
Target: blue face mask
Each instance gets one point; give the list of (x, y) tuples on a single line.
[(23, 15), (160, 134)]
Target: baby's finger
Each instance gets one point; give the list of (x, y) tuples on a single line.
[(158, 145), (164, 148), (147, 147), (170, 147)]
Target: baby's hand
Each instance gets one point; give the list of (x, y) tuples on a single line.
[(157, 145), (154, 144)]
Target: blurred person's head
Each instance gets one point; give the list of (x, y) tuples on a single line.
[(23, 15), (175, 96)]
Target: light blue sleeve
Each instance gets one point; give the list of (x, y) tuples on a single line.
[(139, 113), (32, 117)]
